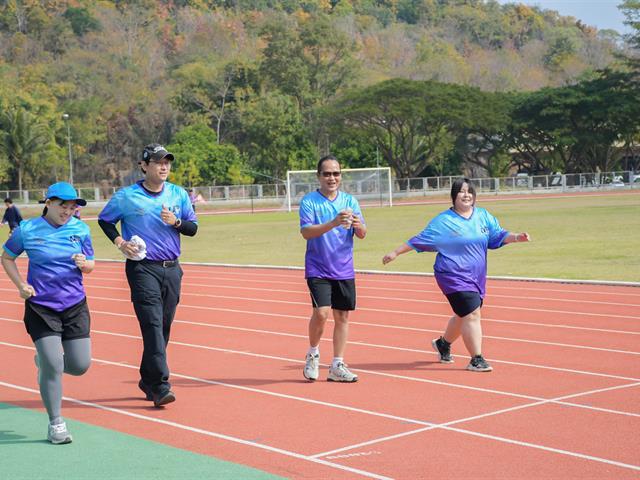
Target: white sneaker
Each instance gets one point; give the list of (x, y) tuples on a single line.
[(311, 367), (58, 434), (341, 374)]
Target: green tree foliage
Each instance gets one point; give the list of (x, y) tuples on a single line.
[(413, 124), (22, 139), (274, 135), (81, 20), (258, 72), (200, 160)]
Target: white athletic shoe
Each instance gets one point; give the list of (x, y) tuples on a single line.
[(59, 434), (311, 367), (341, 374)]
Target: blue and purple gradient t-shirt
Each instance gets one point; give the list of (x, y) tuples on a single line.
[(139, 212), (52, 272), (330, 255), (461, 243)]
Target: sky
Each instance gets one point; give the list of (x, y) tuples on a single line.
[(603, 14)]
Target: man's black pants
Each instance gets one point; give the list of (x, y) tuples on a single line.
[(155, 293)]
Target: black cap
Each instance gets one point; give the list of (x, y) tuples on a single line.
[(155, 152)]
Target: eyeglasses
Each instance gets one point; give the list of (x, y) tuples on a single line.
[(331, 174)]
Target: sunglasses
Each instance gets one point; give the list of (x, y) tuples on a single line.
[(331, 174)]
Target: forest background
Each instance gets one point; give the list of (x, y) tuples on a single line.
[(243, 90)]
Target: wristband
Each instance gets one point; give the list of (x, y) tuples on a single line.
[(178, 223)]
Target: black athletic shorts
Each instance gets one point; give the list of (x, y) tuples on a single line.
[(463, 303), (72, 323), (339, 294)]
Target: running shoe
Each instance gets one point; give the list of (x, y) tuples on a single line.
[(443, 349), (59, 434), (311, 367), (479, 364), (148, 395), (164, 398), (341, 374)]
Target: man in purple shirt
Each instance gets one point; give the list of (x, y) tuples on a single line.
[(329, 218)]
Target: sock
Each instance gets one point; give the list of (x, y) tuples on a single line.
[(336, 361), (444, 342), (314, 351)]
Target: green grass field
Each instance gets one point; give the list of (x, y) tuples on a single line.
[(588, 237)]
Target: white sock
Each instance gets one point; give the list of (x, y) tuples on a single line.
[(314, 351), (336, 361)]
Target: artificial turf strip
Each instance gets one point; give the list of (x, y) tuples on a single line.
[(99, 453)]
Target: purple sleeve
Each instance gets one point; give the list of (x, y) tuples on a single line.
[(87, 248), (112, 213), (496, 233), (306, 213), (15, 245), (424, 241)]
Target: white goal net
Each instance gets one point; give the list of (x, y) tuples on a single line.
[(371, 186)]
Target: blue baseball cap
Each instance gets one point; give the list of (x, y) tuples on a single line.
[(64, 191)]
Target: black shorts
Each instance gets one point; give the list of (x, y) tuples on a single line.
[(463, 303), (70, 324), (339, 294)]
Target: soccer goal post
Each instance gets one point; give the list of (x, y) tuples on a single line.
[(371, 186)]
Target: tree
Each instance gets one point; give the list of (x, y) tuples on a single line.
[(274, 136), (412, 123), (200, 159), (22, 138)]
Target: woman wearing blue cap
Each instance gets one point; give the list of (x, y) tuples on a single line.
[(56, 314)]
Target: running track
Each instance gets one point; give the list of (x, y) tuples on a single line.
[(563, 400)]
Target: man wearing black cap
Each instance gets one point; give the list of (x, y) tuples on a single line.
[(153, 213)]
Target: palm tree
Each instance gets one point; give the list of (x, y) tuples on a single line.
[(22, 137)]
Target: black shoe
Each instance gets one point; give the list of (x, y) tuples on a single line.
[(443, 349), (479, 364), (146, 390), (164, 398)]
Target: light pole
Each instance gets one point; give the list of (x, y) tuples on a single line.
[(65, 117)]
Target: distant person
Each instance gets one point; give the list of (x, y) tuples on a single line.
[(56, 314), (329, 219), (192, 198), (11, 216), (461, 236), (153, 214)]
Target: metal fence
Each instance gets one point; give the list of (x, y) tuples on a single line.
[(402, 187)]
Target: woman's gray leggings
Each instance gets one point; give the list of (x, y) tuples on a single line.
[(56, 357)]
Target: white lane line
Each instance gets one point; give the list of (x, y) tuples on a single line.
[(538, 342), (241, 275), (445, 425), (376, 373), (355, 342), (305, 293), (425, 286), (208, 433), (429, 425), (485, 319)]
